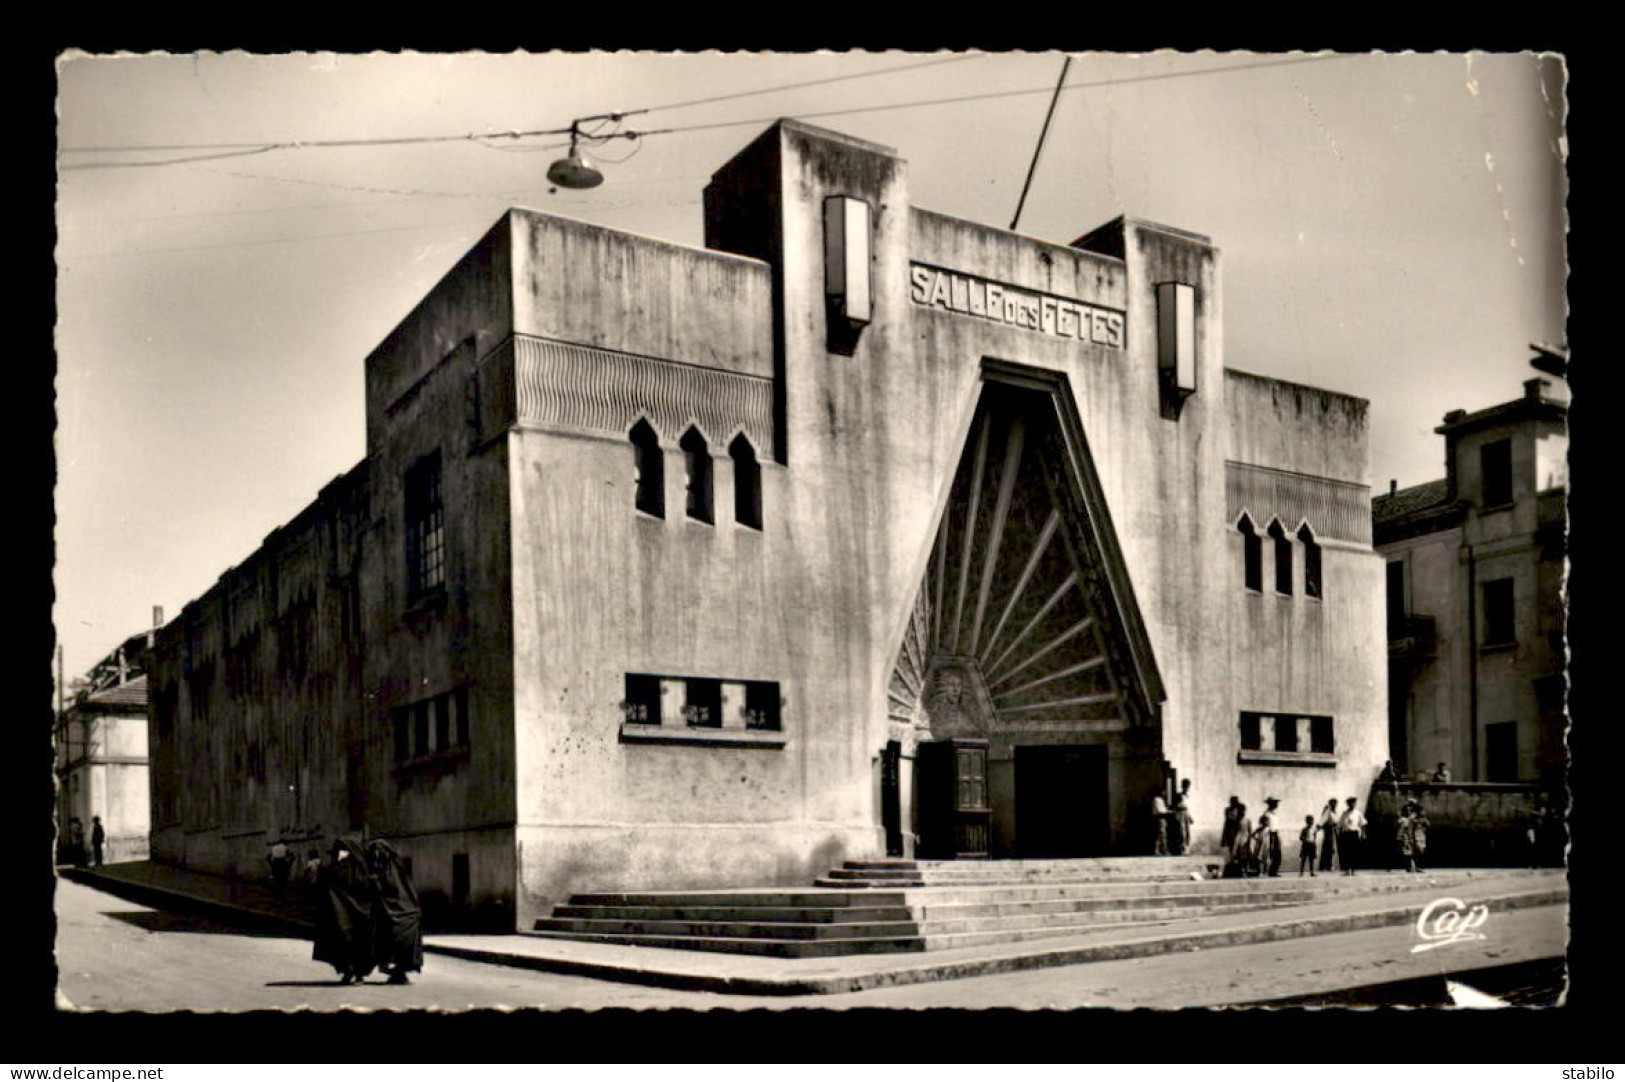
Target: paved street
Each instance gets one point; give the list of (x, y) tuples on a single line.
[(116, 955)]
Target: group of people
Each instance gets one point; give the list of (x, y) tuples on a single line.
[(1411, 835), (1172, 822), (367, 913), (1390, 775), (1333, 839), (72, 847)]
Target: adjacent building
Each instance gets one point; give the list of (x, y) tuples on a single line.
[(101, 757), (1475, 588), (862, 530)]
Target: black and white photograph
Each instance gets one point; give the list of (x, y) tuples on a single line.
[(741, 531)]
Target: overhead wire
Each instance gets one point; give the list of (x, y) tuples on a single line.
[(599, 136), (260, 148), (484, 138)]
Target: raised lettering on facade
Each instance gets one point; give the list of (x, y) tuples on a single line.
[(932, 287)]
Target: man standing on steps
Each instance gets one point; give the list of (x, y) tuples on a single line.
[(1159, 825)]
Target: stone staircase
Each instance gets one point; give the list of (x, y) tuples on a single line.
[(895, 906)]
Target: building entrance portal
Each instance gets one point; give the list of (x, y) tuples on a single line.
[(1025, 634)]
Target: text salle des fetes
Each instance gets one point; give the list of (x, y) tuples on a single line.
[(936, 288)]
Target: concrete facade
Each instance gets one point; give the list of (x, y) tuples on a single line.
[(665, 563), (1479, 689)]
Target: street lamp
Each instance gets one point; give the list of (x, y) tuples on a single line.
[(574, 170)]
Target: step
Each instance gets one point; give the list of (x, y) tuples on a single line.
[(942, 921), (636, 926), (1204, 901), (783, 948), (856, 914), (1103, 865), (956, 911), (792, 897), (839, 878)]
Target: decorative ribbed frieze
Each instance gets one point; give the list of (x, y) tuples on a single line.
[(1336, 510), (582, 387)]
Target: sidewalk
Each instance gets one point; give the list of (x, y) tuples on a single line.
[(744, 974)]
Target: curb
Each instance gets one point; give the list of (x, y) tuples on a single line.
[(1037, 959), (170, 898)]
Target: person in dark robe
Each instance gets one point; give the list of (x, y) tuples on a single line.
[(400, 917), (1243, 862), (1232, 823), (347, 914), (1328, 834)]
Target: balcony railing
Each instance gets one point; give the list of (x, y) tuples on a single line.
[(1413, 636)]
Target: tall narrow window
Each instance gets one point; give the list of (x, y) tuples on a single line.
[(1396, 599), (1495, 459), (459, 702), (425, 528), (649, 470), (442, 722), (697, 475), (1252, 554), (747, 483), (420, 727), (1311, 561), (1283, 558), (1500, 627)]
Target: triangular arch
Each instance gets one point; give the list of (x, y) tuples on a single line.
[(1025, 629)]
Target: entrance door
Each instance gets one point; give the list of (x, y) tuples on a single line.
[(1061, 807)]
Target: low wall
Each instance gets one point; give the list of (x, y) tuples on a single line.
[(1470, 824)]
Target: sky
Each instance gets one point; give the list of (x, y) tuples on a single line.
[(1391, 226)]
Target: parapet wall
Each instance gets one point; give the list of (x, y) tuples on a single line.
[(1470, 824)]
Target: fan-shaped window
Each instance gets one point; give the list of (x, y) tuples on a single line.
[(697, 475), (1252, 554), (747, 483), (649, 474), (1283, 558), (1311, 561)]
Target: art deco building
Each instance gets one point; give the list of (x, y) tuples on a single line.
[(861, 530)]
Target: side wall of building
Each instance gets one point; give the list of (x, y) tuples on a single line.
[(436, 766), (255, 698), (1299, 456), (614, 331)]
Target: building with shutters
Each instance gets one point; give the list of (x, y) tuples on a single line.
[(861, 530), (1475, 573)]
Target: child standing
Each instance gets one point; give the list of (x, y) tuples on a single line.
[(1306, 845)]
